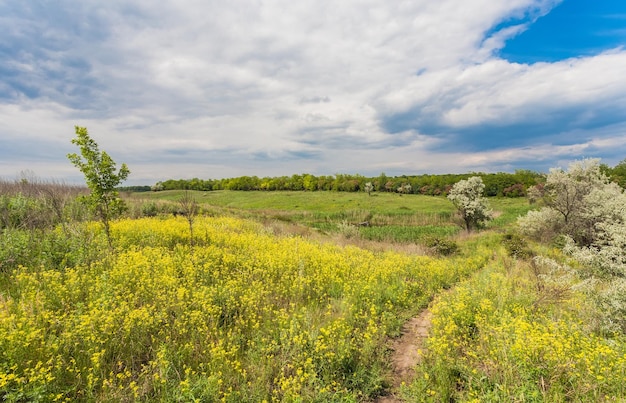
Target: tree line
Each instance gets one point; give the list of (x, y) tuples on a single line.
[(496, 184)]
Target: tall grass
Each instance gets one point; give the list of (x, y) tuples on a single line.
[(395, 233), (33, 203)]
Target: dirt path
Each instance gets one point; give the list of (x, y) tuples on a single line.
[(407, 352)]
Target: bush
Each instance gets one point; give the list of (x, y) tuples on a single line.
[(611, 302), (542, 225), (36, 205), (516, 246), (348, 230), (442, 246), (149, 209), (516, 190)]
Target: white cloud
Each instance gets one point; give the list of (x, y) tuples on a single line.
[(230, 88)]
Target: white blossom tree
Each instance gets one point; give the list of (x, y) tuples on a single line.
[(369, 188), (467, 197), (590, 211), (575, 202)]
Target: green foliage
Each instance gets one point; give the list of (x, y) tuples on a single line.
[(618, 174), (516, 246), (15, 249), (19, 211), (467, 197), (33, 204), (498, 184), (441, 246), (149, 209), (66, 245), (407, 234), (101, 178)]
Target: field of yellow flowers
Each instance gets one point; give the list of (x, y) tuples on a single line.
[(242, 315), (506, 334)]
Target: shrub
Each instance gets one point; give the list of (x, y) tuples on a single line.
[(442, 246), (516, 190), (149, 209), (611, 302), (516, 246)]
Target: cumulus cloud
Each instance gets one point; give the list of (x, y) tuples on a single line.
[(217, 89)]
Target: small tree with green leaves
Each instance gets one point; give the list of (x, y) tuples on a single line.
[(467, 197), (101, 178)]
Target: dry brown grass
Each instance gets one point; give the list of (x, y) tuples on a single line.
[(49, 201)]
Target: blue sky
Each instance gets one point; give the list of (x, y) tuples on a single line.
[(184, 89)]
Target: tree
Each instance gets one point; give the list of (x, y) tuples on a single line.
[(618, 174), (101, 178), (467, 197), (189, 209), (568, 204), (369, 188), (589, 212), (405, 188)]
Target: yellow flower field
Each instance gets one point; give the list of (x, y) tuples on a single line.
[(242, 316), (493, 340)]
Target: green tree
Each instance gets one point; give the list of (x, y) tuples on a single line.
[(467, 197), (101, 178), (618, 174)]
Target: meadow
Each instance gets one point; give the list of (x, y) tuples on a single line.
[(269, 300), (390, 217)]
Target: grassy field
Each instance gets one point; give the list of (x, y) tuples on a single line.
[(391, 217), (238, 311)]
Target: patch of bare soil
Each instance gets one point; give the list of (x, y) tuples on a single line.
[(407, 353)]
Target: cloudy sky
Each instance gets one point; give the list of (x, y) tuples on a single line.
[(214, 89)]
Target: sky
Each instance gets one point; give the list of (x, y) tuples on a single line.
[(218, 89)]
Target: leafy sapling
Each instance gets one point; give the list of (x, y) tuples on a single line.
[(101, 179)]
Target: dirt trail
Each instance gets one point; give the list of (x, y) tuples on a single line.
[(407, 352)]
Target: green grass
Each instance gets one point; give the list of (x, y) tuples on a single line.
[(508, 209), (407, 234), (393, 217), (327, 202)]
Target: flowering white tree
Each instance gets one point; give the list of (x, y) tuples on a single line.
[(369, 188), (467, 197), (606, 253), (576, 202), (590, 211)]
